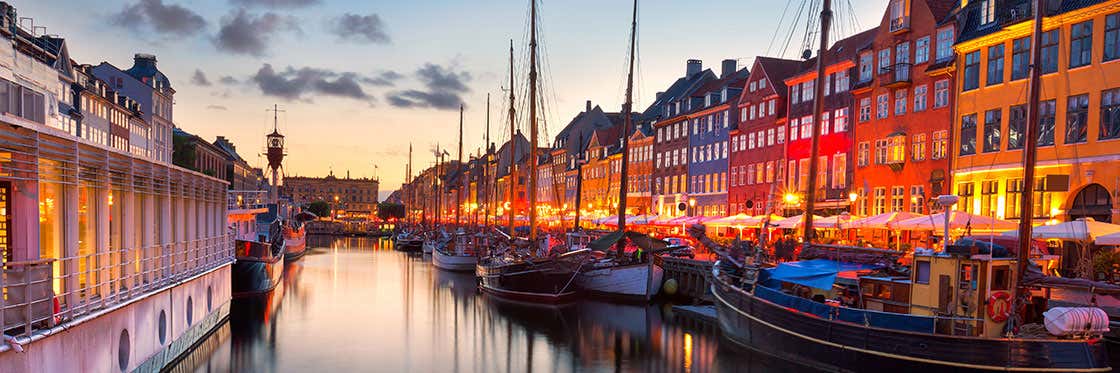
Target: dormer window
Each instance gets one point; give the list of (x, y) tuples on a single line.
[(987, 11), (899, 19)]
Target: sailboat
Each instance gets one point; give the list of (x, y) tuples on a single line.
[(955, 310), (518, 269), (618, 273)]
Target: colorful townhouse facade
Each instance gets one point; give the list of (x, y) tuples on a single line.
[(708, 149), (758, 152), (1078, 168), (640, 170), (834, 174), (904, 109), (669, 118)]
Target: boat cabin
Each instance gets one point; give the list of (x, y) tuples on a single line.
[(957, 289)]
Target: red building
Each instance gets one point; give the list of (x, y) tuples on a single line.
[(834, 160), (758, 149), (903, 97)]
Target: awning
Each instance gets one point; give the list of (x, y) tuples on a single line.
[(816, 273)]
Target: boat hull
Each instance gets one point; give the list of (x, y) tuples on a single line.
[(408, 244), (763, 326), (457, 263), (251, 276), (295, 243), (428, 246), (634, 281), (545, 282)]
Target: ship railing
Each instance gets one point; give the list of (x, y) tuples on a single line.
[(246, 199), (40, 295)]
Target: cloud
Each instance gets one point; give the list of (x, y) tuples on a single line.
[(245, 33), (154, 15), (228, 80), (444, 89), (199, 78), (217, 107), (360, 29), (296, 84), (276, 3), (384, 79)]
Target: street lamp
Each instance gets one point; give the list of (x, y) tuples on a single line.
[(947, 201), (692, 206)]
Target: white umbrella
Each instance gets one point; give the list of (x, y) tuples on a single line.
[(836, 221), (882, 221), (794, 222), (1084, 229), (741, 220), (957, 220)]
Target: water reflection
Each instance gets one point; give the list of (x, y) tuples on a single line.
[(354, 304)]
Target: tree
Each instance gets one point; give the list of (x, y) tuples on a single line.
[(386, 210), (182, 151), (319, 208)]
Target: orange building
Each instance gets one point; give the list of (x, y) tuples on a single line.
[(601, 173), (903, 109), (1078, 169), (640, 171)]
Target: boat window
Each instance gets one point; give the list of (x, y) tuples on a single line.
[(868, 290), (922, 275), (884, 291), (1001, 278)]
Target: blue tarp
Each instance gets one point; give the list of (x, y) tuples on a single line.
[(816, 273), (885, 320)]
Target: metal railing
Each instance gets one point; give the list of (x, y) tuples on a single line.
[(246, 199), (41, 294), (896, 74)]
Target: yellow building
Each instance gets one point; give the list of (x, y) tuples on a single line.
[(1078, 167)]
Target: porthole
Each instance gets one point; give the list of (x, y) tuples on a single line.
[(123, 349), (190, 311), (162, 327)]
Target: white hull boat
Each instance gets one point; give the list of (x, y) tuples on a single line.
[(630, 281), (454, 262)]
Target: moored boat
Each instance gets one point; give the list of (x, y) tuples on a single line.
[(631, 274), (408, 241), (258, 267), (548, 280), (295, 236), (461, 255)]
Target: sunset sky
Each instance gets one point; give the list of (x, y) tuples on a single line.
[(359, 80)]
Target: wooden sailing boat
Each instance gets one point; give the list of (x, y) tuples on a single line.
[(519, 271), (624, 274), (938, 321)]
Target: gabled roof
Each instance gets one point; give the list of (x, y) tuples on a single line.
[(843, 49), (776, 71), (579, 130), (504, 156), (680, 89), (1011, 12)]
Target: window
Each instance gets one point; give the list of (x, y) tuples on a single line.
[(944, 44), (839, 171), (806, 127), (900, 100), (884, 61), (987, 11), (750, 141), (1014, 195), (795, 94), (864, 152), (752, 112), (753, 86), (921, 50), (780, 134), (941, 93), (762, 84), (940, 144), (1050, 51), (1046, 123), (827, 84), (881, 151), (772, 107), (971, 71), (992, 126), (803, 175), (807, 90), (840, 123), (995, 64), (865, 66), (865, 109), (917, 198), (989, 190), (825, 123), (968, 134), (1016, 123), (1077, 119), (793, 129), (966, 191), (1020, 58), (1111, 37), (898, 198), (921, 275), (919, 147), (1081, 44), (1001, 278), (883, 104), (880, 201), (842, 81), (1110, 114), (896, 149)]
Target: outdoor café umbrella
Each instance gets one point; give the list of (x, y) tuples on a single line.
[(957, 220), (640, 219), (740, 220), (882, 221), (794, 222), (1084, 229), (835, 221)]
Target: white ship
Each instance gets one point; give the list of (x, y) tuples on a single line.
[(112, 259)]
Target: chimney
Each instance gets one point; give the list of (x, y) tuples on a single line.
[(693, 67), (588, 110), (659, 94), (730, 66), (144, 59)]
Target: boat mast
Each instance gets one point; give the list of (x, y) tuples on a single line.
[(486, 167), (579, 178), (439, 187), (626, 110), (532, 177), (459, 188), (512, 146), (408, 181), (1030, 152), (818, 108)]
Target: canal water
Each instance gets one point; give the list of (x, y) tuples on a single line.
[(356, 305)]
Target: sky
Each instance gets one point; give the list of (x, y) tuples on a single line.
[(358, 81)]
